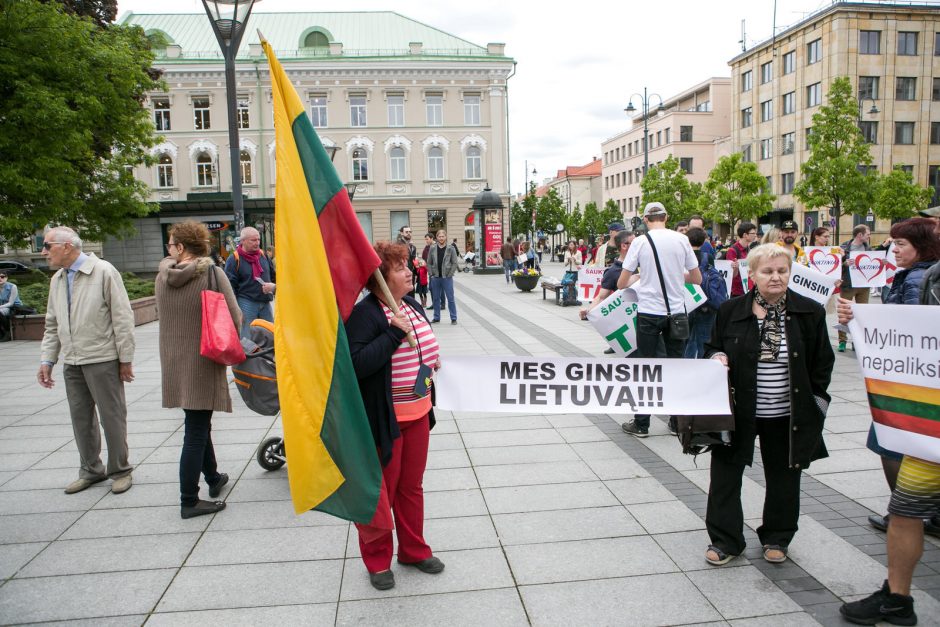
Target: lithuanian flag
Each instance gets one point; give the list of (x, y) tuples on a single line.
[(906, 417), (332, 465)]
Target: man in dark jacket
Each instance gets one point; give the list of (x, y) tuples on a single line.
[(252, 277)]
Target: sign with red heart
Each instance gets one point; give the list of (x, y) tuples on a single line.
[(868, 268), (825, 259)]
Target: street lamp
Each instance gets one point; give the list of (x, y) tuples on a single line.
[(645, 107), (874, 108), (228, 19), (351, 189)]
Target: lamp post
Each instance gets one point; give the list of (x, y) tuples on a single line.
[(228, 19), (645, 109)]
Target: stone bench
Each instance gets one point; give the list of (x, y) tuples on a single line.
[(33, 327)]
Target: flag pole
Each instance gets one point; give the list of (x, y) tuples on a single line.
[(387, 297)]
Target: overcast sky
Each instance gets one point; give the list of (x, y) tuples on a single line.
[(576, 70)]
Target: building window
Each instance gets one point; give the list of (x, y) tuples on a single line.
[(789, 103), (435, 108), (903, 132), (630, 177), (685, 133), (936, 44), (746, 154), (204, 170), (659, 138), (907, 43), (869, 42), (935, 133), (318, 111), (471, 109), (809, 133), (244, 163), (437, 220), (766, 72), (869, 131), (396, 109), (867, 87), (474, 163), (161, 114), (786, 183), (165, 171), (357, 110), (766, 110), (747, 117), (241, 112), (789, 62), (814, 52), (668, 135), (766, 149), (316, 39), (360, 164), (770, 184), (933, 180), (787, 143), (813, 95), (365, 220), (905, 88), (686, 164), (936, 89), (201, 114), (617, 154), (396, 163), (747, 81), (397, 220), (435, 163)]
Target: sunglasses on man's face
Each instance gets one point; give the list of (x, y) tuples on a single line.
[(49, 245)]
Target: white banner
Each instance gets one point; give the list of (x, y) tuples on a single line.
[(892, 266), (589, 282), (868, 268), (559, 385), (694, 297), (812, 284), (898, 350), (724, 268), (615, 319), (743, 269), (824, 259)]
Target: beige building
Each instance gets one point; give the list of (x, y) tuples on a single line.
[(889, 52), (688, 127), (419, 117), (579, 185)]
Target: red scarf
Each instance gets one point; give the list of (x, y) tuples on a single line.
[(253, 258)]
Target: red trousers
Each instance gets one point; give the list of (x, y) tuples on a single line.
[(403, 476)]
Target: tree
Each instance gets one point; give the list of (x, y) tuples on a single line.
[(520, 220), (611, 212), (550, 211), (574, 223), (898, 196), (102, 12), (835, 174), (735, 191), (667, 183), (71, 122)]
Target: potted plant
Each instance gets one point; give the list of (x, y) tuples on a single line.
[(526, 279)]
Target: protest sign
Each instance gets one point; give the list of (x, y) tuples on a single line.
[(723, 266), (743, 269), (615, 319), (561, 385), (589, 282), (868, 268), (812, 284), (892, 267), (694, 297), (824, 259), (898, 350)]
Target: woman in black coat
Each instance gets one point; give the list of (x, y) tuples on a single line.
[(776, 346)]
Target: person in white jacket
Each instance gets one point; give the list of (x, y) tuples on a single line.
[(90, 326)]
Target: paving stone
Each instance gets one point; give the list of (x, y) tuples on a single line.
[(666, 517), (449, 479), (569, 524), (42, 501), (447, 459), (14, 556), (267, 515), (321, 614), (642, 490), (619, 468), (798, 619), (259, 490), (100, 555), (35, 527), (508, 422), (534, 473), (840, 567), (268, 545), (145, 495), (742, 592), (454, 503), (503, 455), (687, 550), (488, 439), (139, 521), (479, 607), (545, 497)]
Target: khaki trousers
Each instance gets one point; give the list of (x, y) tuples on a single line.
[(98, 386), (859, 295)]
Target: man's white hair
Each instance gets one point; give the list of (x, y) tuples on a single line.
[(65, 234), (248, 230)]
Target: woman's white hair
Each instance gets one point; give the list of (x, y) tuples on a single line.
[(65, 234), (766, 252)]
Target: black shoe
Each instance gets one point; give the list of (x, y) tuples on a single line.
[(609, 351), (453, 322), (883, 605), (632, 428), (431, 566), (384, 580), (879, 522), (673, 425), (216, 488), (434, 321), (201, 508), (932, 527)]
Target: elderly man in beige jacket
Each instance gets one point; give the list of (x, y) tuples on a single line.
[(90, 325)]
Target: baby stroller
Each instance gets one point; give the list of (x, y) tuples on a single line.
[(469, 261), (256, 380)]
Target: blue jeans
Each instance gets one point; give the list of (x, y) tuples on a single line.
[(442, 286), (252, 310), (700, 329), (651, 332), (508, 268)]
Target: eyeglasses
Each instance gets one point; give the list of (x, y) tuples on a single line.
[(171, 245), (49, 245)]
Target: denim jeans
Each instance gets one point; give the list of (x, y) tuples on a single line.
[(197, 455), (508, 268), (650, 329), (442, 286), (700, 329), (252, 310)]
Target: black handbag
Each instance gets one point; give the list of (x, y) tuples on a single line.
[(700, 434), (678, 324)]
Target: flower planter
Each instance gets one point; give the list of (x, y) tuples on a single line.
[(526, 283)]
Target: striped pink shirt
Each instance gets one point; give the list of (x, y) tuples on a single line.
[(405, 361)]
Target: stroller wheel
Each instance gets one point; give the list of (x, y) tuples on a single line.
[(271, 454)]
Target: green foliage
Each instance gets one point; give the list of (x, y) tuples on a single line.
[(898, 196), (72, 120), (102, 12), (35, 296), (831, 176), (520, 220), (610, 213), (735, 191), (574, 223), (36, 293), (667, 183), (550, 212)]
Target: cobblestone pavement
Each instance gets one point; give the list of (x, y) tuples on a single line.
[(541, 519)]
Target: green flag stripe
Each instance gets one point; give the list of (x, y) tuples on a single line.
[(904, 406), (322, 180)]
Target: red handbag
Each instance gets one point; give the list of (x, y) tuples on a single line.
[(220, 341)]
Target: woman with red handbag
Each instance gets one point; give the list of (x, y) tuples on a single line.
[(190, 381)]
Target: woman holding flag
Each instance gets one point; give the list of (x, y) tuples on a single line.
[(394, 353)]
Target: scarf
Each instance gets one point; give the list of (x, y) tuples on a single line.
[(253, 258), (770, 331)]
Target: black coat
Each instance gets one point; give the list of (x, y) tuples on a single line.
[(372, 342), (811, 359)]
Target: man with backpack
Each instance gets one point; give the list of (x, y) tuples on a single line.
[(702, 319), (252, 277)]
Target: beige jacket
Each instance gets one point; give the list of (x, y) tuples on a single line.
[(100, 325)]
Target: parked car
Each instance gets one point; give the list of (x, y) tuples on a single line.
[(11, 266)]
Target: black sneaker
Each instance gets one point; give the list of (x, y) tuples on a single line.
[(878, 522), (216, 488), (632, 428), (609, 351), (932, 526), (883, 605)]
